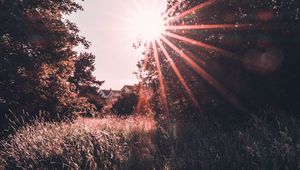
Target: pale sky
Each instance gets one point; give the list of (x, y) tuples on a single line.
[(104, 23)]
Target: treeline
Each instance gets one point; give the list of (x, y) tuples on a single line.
[(247, 59), (231, 89), (39, 68)]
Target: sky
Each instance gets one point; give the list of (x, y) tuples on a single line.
[(105, 24)]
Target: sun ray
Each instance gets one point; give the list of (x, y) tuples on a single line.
[(178, 74), (143, 100), (138, 107), (160, 77), (224, 27), (210, 47), (205, 75), (202, 45), (190, 11), (230, 27), (142, 91)]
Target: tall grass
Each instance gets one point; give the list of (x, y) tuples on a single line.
[(139, 142), (268, 141), (108, 143)]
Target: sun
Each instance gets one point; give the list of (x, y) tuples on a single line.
[(147, 24)]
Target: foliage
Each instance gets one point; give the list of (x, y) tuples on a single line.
[(85, 82), (260, 71), (126, 103), (40, 71), (254, 66), (38, 60)]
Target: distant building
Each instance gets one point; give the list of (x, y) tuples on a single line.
[(128, 89), (111, 96)]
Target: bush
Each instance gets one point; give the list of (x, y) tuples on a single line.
[(125, 105)]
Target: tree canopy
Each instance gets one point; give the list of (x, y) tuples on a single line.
[(248, 60), (39, 68)]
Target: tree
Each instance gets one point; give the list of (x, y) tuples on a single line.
[(244, 79), (252, 64), (37, 57), (85, 82), (127, 103), (83, 74)]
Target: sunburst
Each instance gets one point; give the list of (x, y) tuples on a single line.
[(147, 24), (160, 40)]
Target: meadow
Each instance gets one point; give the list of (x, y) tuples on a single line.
[(143, 142)]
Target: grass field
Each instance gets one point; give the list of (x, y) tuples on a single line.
[(85, 144), (139, 142)]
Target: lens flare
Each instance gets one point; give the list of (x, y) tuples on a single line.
[(147, 24), (157, 28)]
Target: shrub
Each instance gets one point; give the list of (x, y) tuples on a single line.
[(125, 105)]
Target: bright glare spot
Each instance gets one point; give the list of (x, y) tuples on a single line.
[(147, 24)]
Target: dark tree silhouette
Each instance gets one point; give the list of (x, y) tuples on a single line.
[(38, 60), (239, 122), (126, 103), (85, 82), (257, 65)]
